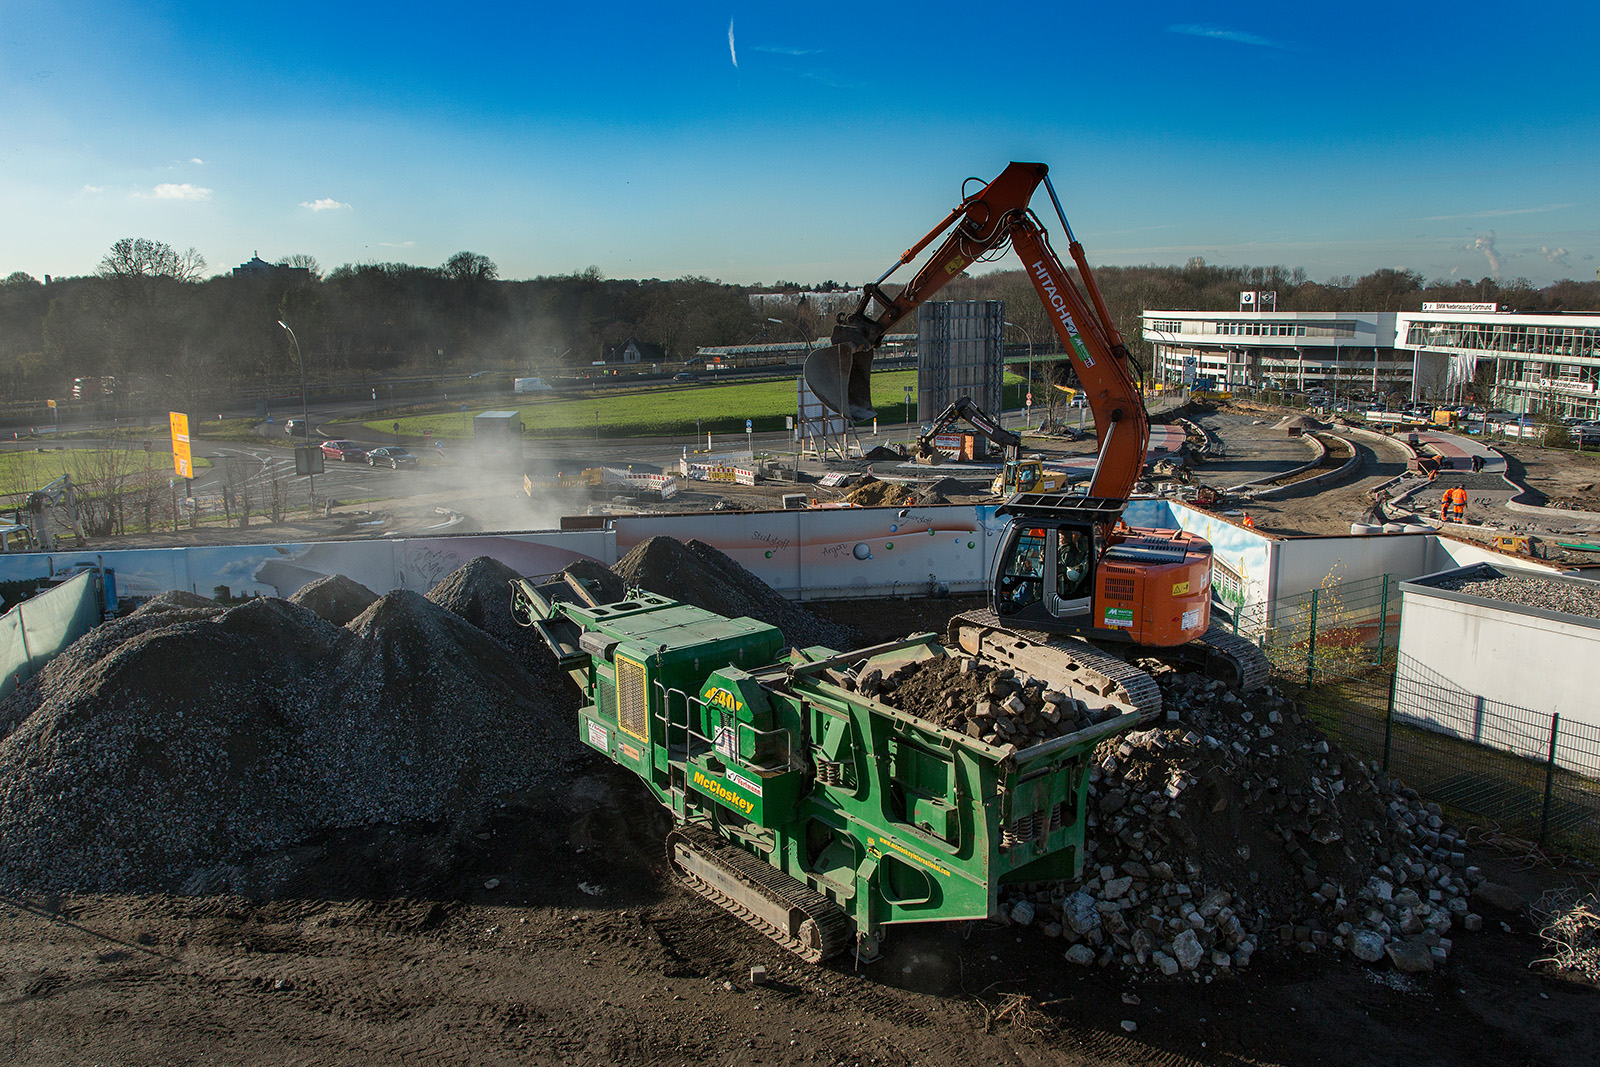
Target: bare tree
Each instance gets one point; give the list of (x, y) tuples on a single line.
[(139, 257)]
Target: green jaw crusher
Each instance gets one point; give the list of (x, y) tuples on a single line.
[(814, 813)]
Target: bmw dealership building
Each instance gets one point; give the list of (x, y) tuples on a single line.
[(1507, 360)]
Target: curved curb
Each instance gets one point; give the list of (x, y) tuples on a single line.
[(1214, 445), (1317, 479), (1384, 438), (1322, 451)]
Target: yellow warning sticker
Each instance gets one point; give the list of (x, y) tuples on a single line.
[(1180, 588)]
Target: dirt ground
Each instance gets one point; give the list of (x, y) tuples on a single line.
[(559, 937), (1559, 478)]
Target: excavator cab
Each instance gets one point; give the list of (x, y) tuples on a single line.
[(1044, 575), (1068, 564), (1044, 572)]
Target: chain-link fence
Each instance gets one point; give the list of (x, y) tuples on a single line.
[(1529, 774), (1340, 628)]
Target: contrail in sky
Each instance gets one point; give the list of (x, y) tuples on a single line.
[(732, 51)]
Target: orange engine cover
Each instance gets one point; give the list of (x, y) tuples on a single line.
[(1154, 587)]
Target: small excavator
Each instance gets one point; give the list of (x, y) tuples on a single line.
[(1070, 574), (1018, 474)]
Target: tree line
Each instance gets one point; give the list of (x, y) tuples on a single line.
[(150, 319)]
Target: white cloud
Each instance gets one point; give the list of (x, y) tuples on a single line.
[(396, 244), (1217, 33), (780, 50), (1496, 213), (1558, 256), (94, 188), (197, 159), (170, 191), (732, 51), (327, 203)]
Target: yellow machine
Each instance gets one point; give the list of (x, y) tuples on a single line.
[(1027, 476)]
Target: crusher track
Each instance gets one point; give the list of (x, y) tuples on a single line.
[(755, 891)]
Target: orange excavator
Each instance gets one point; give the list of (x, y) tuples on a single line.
[(1068, 570)]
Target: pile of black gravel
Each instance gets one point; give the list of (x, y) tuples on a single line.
[(185, 742), (695, 573)]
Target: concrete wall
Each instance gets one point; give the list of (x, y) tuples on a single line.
[(1304, 563), (810, 554), (1521, 657), (825, 554)]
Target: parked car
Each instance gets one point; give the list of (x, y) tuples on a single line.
[(392, 456), (294, 427), (344, 451)]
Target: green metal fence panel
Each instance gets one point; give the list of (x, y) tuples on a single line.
[(33, 632), (1520, 772)]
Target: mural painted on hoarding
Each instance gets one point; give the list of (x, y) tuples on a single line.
[(1241, 559), (240, 571), (817, 553)]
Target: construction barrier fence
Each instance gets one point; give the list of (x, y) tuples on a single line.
[(1509, 770)]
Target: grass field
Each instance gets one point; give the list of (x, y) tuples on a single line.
[(24, 472), (665, 410)]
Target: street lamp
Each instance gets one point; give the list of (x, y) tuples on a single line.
[(1027, 408), (796, 324), (305, 414)]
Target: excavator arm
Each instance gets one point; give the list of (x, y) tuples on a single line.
[(964, 407), (841, 375)]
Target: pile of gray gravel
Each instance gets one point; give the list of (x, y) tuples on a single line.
[(479, 593), (335, 598), (187, 737), (1551, 594), (694, 572)]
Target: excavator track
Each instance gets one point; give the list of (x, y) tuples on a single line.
[(1233, 659), (814, 929), (1069, 659), (1236, 660)]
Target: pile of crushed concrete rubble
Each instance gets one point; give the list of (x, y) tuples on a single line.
[(192, 746), (1238, 831), (1530, 591), (995, 706)]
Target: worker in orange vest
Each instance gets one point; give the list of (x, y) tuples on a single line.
[(1458, 503), (1248, 522), (1444, 507)]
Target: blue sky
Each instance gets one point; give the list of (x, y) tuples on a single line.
[(753, 142)]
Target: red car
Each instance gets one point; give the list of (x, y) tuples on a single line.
[(344, 451)]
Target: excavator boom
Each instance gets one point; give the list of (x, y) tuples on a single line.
[(998, 213)]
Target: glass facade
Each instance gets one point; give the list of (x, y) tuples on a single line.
[(1524, 364)]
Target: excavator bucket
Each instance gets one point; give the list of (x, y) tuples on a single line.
[(841, 377)]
